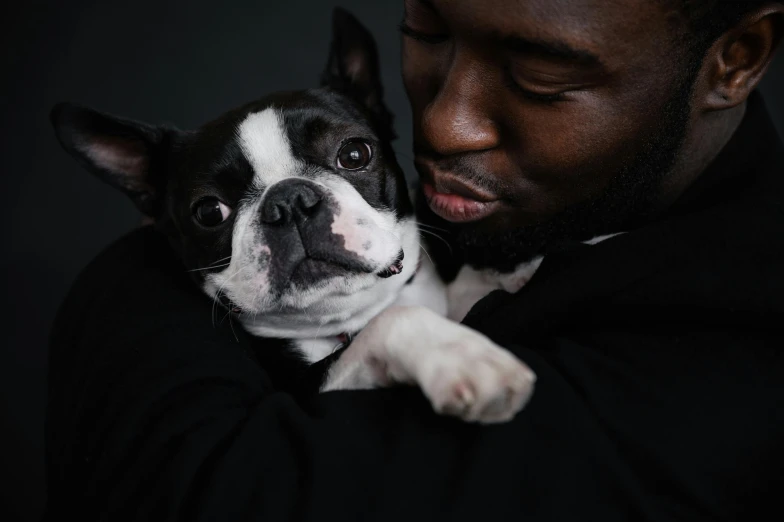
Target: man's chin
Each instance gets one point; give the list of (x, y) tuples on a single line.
[(504, 248), (509, 237)]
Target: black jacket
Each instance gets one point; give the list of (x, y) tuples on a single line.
[(660, 392)]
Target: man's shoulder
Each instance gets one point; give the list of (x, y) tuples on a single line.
[(716, 267), (132, 288), (138, 250), (124, 259)]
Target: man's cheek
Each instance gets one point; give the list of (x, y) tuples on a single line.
[(579, 149)]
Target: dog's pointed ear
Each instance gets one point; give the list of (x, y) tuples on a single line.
[(353, 68), (118, 151)]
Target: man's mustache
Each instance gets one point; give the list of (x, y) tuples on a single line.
[(465, 166)]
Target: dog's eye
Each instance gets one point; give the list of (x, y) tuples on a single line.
[(354, 155), (211, 212)]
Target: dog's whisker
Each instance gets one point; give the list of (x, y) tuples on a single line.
[(430, 232), (390, 230), (221, 286), (220, 260), (426, 252), (432, 227), (212, 265), (231, 324), (209, 268), (439, 237), (321, 324)]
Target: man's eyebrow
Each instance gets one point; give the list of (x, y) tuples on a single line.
[(550, 49)]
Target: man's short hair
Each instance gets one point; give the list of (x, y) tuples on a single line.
[(707, 20)]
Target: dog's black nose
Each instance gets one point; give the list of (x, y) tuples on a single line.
[(290, 199)]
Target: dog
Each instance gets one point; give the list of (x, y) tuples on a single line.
[(292, 213)]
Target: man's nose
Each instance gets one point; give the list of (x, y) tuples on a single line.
[(458, 119)]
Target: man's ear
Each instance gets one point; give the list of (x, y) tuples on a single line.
[(739, 59), (120, 152), (353, 69)]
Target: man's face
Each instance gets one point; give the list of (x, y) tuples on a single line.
[(537, 121)]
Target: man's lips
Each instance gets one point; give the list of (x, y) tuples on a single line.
[(455, 200)]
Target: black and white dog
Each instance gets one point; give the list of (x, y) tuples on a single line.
[(293, 213)]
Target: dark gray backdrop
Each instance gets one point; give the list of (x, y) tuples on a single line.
[(179, 62)]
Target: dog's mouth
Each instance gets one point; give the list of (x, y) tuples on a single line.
[(228, 303), (312, 269), (395, 268)]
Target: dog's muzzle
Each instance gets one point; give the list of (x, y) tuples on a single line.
[(296, 217)]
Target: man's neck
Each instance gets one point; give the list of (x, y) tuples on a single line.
[(699, 150)]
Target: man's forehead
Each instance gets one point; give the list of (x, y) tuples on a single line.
[(598, 28)]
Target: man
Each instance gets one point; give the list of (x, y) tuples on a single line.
[(658, 351)]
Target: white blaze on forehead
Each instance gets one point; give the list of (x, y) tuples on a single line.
[(265, 144)]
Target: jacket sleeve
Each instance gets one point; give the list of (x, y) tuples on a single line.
[(184, 429), (156, 412)]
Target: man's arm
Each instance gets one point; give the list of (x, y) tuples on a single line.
[(187, 432), (156, 413)]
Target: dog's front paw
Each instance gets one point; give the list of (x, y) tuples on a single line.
[(476, 380)]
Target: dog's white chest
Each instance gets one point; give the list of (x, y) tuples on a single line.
[(313, 350), (471, 285)]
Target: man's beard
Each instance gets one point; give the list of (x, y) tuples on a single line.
[(627, 202)]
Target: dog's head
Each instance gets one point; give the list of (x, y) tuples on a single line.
[(291, 211)]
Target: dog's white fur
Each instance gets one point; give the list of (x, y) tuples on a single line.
[(461, 371), (409, 333), (267, 148), (471, 285)]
